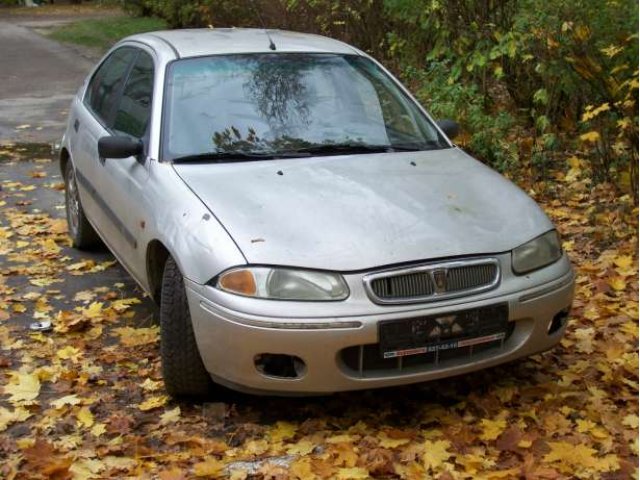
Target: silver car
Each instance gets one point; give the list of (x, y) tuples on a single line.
[(303, 224)]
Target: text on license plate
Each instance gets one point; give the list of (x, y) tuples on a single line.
[(445, 346)]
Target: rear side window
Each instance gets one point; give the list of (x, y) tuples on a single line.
[(105, 86), (134, 109)]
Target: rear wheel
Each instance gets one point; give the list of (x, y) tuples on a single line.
[(182, 368), (80, 230)]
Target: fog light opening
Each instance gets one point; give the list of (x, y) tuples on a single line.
[(280, 365), (558, 321)]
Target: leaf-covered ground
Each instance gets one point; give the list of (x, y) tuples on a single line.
[(86, 400)]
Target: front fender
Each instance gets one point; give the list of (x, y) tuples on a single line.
[(194, 237)]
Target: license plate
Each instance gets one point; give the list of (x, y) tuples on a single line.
[(465, 328)]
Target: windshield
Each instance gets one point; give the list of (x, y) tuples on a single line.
[(277, 105)]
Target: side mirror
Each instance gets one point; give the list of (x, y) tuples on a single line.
[(450, 128), (119, 147)]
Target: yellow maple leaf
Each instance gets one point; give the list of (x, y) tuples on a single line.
[(301, 469), (344, 454), (151, 386), (66, 400), (491, 429), (303, 447), (238, 474), (44, 282), (19, 308), (24, 443), (84, 296), (412, 471), (124, 304), (617, 283), (435, 453), (50, 246), (69, 353), (592, 136), (170, 416), (475, 461), (98, 429), (623, 261), (7, 417), (153, 402), (134, 337), (630, 328), (208, 468), (574, 162), (256, 447), (24, 387), (579, 457), (120, 463), (86, 468), (282, 431), (583, 426), (79, 265), (585, 339), (630, 420), (352, 473), (386, 442), (592, 113), (93, 311), (343, 438), (85, 417)]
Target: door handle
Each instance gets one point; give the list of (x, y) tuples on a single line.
[(76, 125)]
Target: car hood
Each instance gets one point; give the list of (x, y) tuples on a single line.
[(357, 212)]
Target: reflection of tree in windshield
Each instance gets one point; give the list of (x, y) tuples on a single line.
[(231, 140), (276, 86)]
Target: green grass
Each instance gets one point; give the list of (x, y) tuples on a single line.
[(103, 33)]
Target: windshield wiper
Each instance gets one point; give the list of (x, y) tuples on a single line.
[(226, 157), (342, 148), (355, 148), (307, 151)]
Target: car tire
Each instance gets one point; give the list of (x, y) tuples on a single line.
[(82, 233), (182, 368)]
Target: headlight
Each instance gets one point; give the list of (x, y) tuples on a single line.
[(537, 253), (283, 284)]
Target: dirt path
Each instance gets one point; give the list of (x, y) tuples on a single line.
[(38, 77)]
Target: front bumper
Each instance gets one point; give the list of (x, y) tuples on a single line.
[(230, 339)]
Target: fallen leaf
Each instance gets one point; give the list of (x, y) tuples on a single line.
[(153, 402), (170, 416), (23, 387)]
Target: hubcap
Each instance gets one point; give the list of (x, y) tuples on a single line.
[(73, 203)]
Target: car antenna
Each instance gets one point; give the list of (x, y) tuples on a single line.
[(272, 46)]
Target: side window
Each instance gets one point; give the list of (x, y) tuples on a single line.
[(105, 85), (134, 110)]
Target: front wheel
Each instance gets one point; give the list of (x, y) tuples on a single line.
[(80, 230), (182, 368)]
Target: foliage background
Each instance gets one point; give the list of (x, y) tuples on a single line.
[(528, 80)]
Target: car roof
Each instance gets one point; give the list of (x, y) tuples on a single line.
[(215, 41)]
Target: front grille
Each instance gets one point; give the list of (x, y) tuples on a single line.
[(435, 281), (403, 286), (473, 276)]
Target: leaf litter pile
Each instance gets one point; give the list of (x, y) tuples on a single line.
[(85, 399)]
